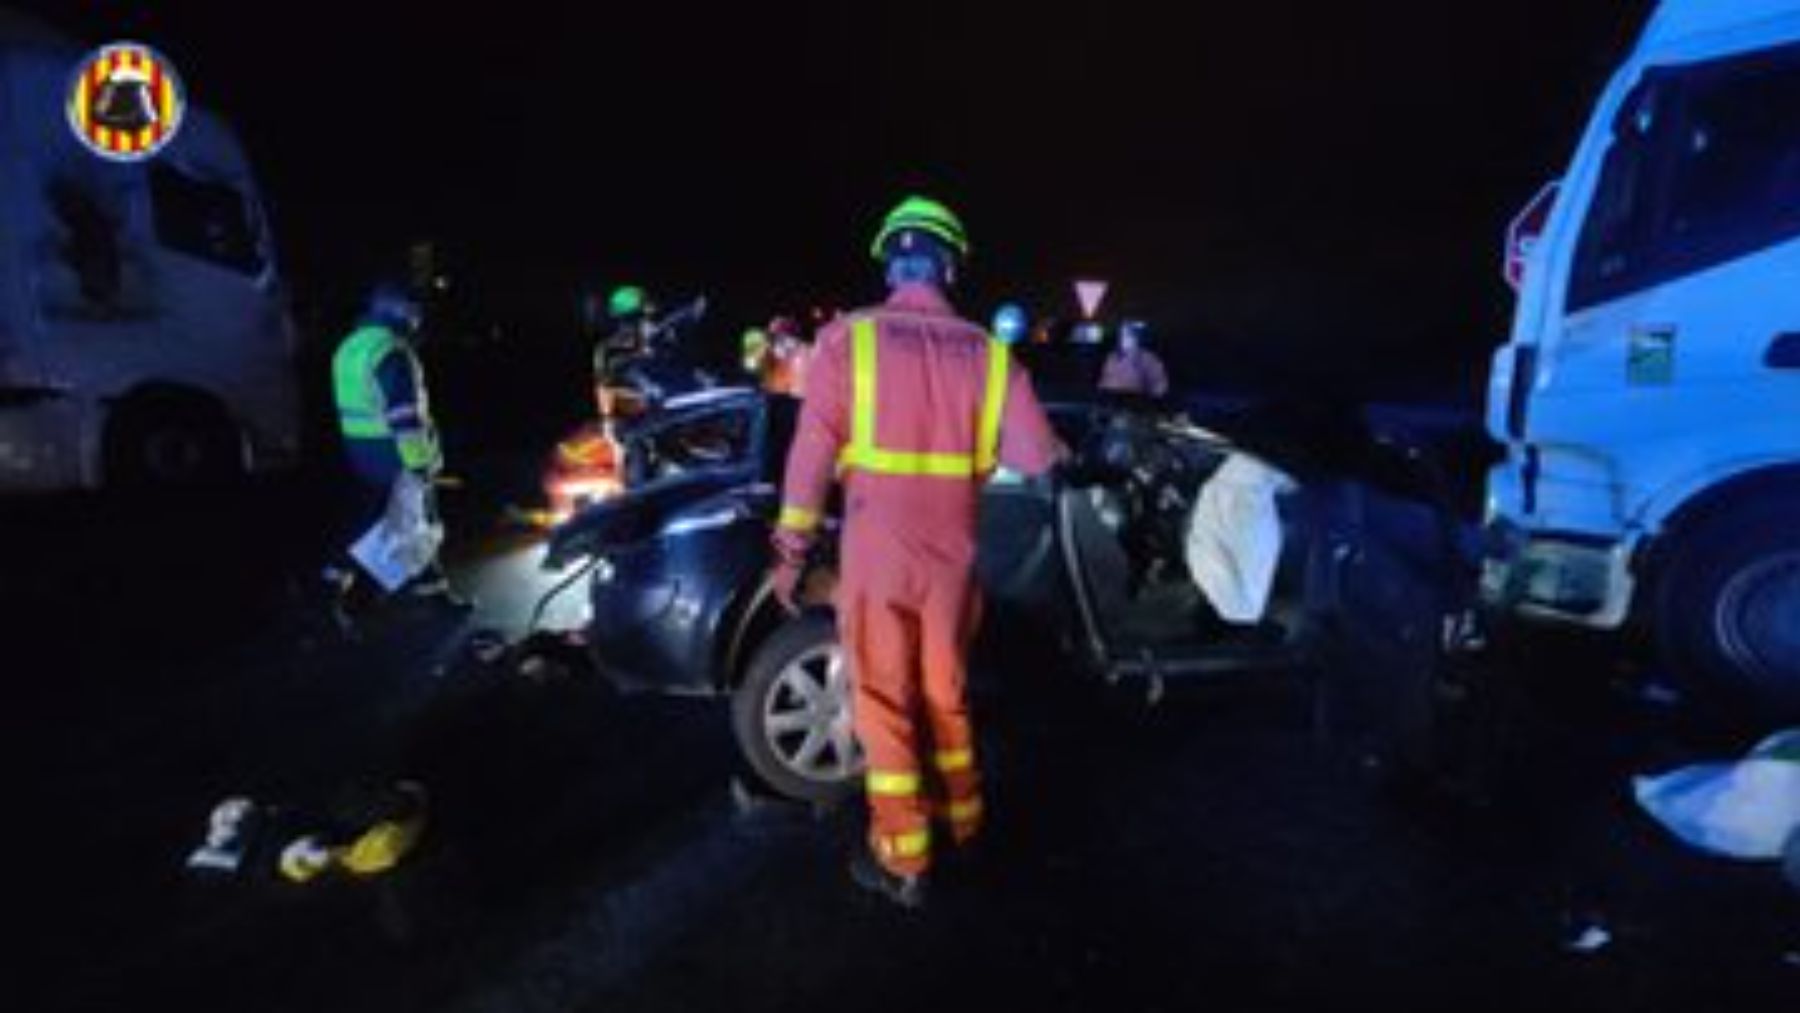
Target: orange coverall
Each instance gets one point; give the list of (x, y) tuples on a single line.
[(915, 407)]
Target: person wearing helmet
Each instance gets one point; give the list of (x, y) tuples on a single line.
[(390, 440), (915, 407), (629, 315), (1011, 323), (785, 371), (1133, 368), (755, 352)]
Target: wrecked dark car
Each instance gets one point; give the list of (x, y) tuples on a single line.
[(1095, 558)]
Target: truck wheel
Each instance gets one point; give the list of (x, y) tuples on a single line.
[(170, 444), (791, 714), (1728, 609)]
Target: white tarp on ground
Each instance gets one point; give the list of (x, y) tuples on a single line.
[(404, 542), (1747, 809), (1234, 537)]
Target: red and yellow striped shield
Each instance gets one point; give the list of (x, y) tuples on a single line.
[(126, 102)]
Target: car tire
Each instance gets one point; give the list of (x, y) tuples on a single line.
[(1726, 606), (171, 444), (791, 713)]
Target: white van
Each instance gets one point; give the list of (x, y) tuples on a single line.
[(1649, 396), (143, 331)]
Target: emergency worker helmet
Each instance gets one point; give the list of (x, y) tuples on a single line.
[(920, 223)]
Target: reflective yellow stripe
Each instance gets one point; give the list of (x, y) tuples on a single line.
[(862, 401), (916, 844), (863, 452), (895, 783), (798, 518), (966, 811), (894, 462), (952, 760), (993, 405)]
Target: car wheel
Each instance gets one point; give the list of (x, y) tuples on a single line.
[(170, 444), (791, 714), (1727, 604)]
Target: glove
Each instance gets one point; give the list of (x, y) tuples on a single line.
[(785, 579)]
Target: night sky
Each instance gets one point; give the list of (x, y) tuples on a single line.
[(1303, 186)]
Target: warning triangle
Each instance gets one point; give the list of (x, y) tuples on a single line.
[(1089, 294)]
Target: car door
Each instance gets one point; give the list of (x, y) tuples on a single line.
[(1016, 548)]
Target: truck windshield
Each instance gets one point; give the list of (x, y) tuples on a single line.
[(205, 219), (1704, 168)]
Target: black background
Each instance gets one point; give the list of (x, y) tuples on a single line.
[(1276, 187)]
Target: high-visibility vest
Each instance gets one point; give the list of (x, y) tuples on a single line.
[(863, 453), (362, 405)]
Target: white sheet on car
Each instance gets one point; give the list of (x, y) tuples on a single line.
[(1748, 809), (1234, 537)]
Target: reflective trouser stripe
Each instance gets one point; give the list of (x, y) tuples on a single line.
[(893, 783), (951, 761), (966, 811), (911, 845)]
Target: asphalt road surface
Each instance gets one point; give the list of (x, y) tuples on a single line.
[(1224, 850)]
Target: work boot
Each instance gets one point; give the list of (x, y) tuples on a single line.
[(348, 598), (906, 891)]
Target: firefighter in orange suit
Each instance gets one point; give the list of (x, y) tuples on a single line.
[(913, 408)]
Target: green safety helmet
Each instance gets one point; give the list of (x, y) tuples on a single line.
[(921, 215), (755, 346), (626, 301)]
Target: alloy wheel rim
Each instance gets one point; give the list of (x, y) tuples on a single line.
[(806, 717)]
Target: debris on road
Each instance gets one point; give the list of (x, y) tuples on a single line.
[(1747, 809), (1586, 928), (230, 828), (1659, 693), (388, 829), (366, 835), (1591, 937)]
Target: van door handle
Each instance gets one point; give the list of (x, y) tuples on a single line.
[(1783, 352)]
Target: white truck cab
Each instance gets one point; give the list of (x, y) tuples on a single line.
[(143, 331), (1649, 395)]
